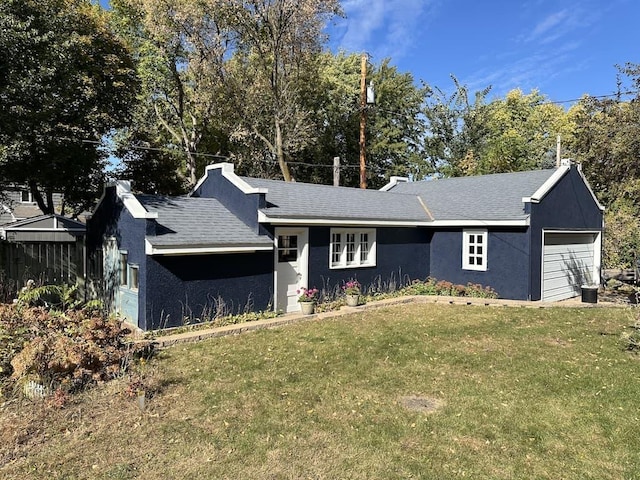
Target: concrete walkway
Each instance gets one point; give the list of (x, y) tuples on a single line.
[(201, 333)]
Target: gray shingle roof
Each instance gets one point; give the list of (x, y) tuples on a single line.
[(191, 221), (313, 201), (485, 197)]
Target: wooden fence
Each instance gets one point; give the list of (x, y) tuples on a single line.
[(46, 263)]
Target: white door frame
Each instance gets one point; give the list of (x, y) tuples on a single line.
[(303, 260), (597, 253)]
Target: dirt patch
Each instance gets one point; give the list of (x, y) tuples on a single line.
[(421, 403), (619, 297)]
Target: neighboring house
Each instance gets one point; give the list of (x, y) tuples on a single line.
[(18, 204), (241, 243), (46, 248)]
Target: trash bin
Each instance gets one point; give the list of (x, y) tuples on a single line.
[(589, 294)]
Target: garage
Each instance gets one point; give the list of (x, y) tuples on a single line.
[(569, 260)]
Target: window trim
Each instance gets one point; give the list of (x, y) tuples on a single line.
[(351, 249), (467, 244), (29, 196)]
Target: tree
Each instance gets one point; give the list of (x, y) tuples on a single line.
[(510, 134), (65, 82), (278, 45), (181, 48), (606, 141), (393, 124), (522, 133), (456, 128), (606, 138)]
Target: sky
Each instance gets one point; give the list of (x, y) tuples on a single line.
[(563, 48)]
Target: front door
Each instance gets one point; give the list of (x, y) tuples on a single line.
[(290, 267)]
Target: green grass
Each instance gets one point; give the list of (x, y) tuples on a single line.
[(522, 393)]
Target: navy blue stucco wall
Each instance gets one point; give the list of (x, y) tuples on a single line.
[(402, 254), (192, 286), (111, 219), (568, 206), (244, 206), (507, 263)]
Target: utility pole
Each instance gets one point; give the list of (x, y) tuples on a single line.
[(363, 120), (558, 149), (336, 171)]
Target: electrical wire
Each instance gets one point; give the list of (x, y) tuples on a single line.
[(342, 166)]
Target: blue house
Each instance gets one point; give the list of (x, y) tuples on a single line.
[(238, 243)]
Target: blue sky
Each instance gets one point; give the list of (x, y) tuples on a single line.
[(564, 48)]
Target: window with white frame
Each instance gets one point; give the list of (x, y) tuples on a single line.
[(25, 196), (474, 249), (351, 247)]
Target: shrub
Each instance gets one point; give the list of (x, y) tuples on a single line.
[(61, 349), (431, 286)]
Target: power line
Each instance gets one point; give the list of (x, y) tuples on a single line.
[(211, 155), (612, 95)]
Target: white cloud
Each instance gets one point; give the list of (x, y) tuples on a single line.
[(548, 23), (383, 28), (527, 71)]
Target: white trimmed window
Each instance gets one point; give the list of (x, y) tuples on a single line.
[(474, 249), (351, 247), (25, 196)]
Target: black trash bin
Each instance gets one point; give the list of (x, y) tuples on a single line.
[(589, 294)]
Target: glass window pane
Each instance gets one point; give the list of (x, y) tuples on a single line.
[(287, 248), (124, 269), (336, 248), (364, 247), (134, 278)]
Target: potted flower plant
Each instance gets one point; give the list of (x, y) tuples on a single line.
[(307, 299), (352, 292)]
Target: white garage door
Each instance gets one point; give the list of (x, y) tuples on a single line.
[(568, 261)]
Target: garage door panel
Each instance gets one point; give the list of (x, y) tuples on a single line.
[(568, 260), (563, 251)]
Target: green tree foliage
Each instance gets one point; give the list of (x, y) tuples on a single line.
[(606, 141), (65, 82), (180, 49), (456, 128), (522, 133), (393, 123), (278, 45), (514, 133)]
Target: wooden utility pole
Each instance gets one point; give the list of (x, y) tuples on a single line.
[(336, 171), (363, 121)]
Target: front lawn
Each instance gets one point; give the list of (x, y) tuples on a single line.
[(411, 391)]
